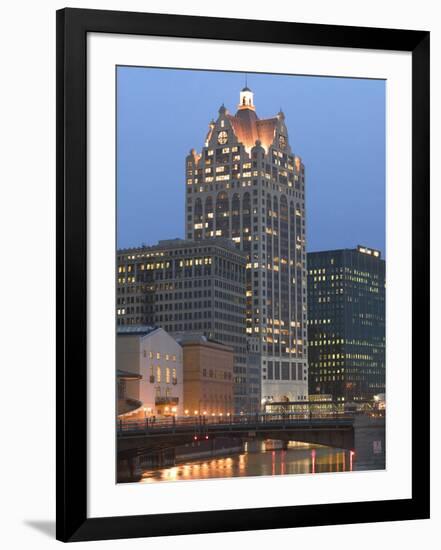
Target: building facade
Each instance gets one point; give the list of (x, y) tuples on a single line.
[(247, 185), (346, 326), (208, 376), (157, 357), (127, 390), (186, 286)]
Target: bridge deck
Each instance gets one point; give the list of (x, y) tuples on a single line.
[(160, 429), (334, 432)]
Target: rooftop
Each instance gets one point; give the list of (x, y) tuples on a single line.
[(198, 338), (125, 375), (249, 128), (138, 330), (360, 249), (178, 243)]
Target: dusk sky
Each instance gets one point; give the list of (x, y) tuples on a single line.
[(337, 126)]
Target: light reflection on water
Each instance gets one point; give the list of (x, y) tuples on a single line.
[(264, 463)]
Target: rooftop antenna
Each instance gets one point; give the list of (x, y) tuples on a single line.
[(246, 80)]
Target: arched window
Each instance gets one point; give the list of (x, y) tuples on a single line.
[(197, 220), (209, 217), (246, 222), (235, 218), (222, 215)]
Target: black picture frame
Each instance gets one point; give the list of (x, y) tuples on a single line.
[(72, 28)]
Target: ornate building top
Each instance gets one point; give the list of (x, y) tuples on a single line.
[(247, 127)]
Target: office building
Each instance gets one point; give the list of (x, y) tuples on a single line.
[(346, 323), (247, 185)]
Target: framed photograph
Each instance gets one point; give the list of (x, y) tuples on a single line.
[(242, 275)]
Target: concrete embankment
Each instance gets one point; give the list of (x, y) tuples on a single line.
[(370, 443)]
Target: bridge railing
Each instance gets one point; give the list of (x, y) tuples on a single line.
[(196, 422)]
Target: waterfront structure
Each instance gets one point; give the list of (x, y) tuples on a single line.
[(152, 353), (127, 384), (247, 185), (346, 323), (187, 286), (208, 376)]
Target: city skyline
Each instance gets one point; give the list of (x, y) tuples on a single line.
[(157, 115), (219, 257)]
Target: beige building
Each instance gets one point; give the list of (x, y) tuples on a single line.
[(157, 357), (208, 376)]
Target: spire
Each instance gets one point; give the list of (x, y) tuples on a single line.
[(246, 100)]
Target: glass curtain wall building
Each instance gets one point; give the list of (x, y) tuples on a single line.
[(346, 323)]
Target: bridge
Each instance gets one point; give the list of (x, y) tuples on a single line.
[(147, 434)]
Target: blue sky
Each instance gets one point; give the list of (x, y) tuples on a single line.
[(337, 126)]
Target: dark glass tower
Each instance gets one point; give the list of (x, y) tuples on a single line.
[(346, 323)]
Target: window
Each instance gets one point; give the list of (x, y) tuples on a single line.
[(167, 375), (158, 374), (270, 370)]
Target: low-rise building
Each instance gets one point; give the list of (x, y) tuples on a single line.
[(208, 376), (152, 353), (128, 392)]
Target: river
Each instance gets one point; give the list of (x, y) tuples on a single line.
[(269, 458)]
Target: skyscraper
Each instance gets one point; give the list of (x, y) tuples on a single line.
[(247, 185), (346, 317)]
